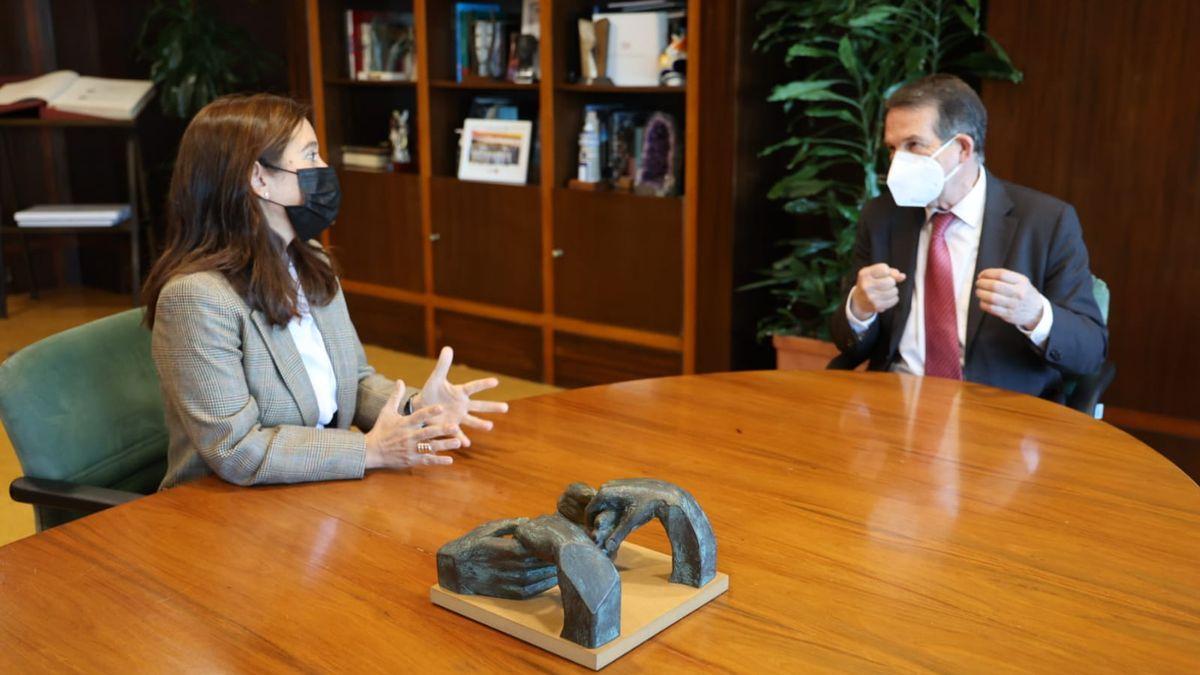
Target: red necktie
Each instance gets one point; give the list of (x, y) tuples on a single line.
[(941, 310)]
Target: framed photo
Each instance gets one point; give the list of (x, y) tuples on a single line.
[(495, 151)]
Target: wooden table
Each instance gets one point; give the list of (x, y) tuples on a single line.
[(868, 522)]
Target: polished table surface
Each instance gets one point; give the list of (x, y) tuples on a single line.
[(868, 522)]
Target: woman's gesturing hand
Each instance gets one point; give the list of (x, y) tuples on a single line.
[(399, 441), (456, 400)]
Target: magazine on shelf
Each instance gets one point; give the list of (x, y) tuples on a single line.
[(65, 94), (73, 215)]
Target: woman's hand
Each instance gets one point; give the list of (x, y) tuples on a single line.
[(393, 442), (455, 399)]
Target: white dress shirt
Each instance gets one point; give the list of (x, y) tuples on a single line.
[(962, 238), (311, 346)]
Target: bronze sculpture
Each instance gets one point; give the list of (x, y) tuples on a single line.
[(519, 558)]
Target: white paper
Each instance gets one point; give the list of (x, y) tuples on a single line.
[(635, 41), (46, 215), (47, 87), (103, 97)]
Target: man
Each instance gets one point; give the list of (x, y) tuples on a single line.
[(960, 274)]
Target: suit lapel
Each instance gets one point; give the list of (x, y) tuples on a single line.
[(345, 365), (291, 367), (998, 227), (906, 233)]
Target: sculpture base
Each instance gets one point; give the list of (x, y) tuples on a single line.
[(649, 603)]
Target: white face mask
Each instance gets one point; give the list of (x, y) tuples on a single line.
[(917, 180)]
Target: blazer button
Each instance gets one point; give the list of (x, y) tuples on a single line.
[(1054, 355)]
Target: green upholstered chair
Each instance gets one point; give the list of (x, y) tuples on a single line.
[(84, 412), (1083, 393)]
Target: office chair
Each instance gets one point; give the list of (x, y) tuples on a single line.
[(84, 412), (1082, 393)]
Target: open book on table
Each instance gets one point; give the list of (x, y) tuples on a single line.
[(64, 94)]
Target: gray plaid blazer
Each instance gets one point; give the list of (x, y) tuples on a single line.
[(238, 399)]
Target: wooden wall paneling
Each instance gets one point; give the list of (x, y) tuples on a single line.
[(583, 361), (301, 62), (488, 246), (427, 31), (708, 227), (377, 238), (491, 345), (439, 32), (1107, 119), (691, 177), (622, 259), (548, 130), (388, 323)]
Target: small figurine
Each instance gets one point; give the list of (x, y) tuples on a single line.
[(398, 135), (673, 62)]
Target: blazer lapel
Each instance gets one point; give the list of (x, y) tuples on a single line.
[(998, 227), (291, 367), (344, 360), (906, 233)]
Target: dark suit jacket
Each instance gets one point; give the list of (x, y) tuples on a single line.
[(1024, 231)]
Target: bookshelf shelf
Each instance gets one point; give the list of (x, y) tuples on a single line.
[(612, 89), (539, 280), (384, 84), (483, 85)]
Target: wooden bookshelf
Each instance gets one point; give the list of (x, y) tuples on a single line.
[(539, 281)]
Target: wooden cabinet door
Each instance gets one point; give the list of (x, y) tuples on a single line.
[(487, 244), (621, 259)]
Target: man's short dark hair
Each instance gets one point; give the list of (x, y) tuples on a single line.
[(959, 109)]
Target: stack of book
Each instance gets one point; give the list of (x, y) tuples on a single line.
[(73, 215), (367, 158)]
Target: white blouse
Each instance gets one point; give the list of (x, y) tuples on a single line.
[(311, 346)]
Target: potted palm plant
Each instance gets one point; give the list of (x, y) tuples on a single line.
[(853, 54)]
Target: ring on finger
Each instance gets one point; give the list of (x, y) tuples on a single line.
[(424, 448)]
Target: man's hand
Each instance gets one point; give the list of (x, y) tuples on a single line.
[(875, 291), (1010, 296)]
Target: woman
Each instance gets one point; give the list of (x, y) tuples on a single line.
[(262, 371)]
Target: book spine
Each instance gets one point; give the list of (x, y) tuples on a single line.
[(350, 46)]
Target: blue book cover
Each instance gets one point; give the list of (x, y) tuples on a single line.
[(465, 14)]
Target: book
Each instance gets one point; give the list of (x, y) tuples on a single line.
[(64, 93), (73, 215), (380, 45)]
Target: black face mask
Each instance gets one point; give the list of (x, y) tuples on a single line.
[(322, 198)]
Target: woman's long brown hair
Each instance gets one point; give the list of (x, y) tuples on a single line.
[(214, 221)]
